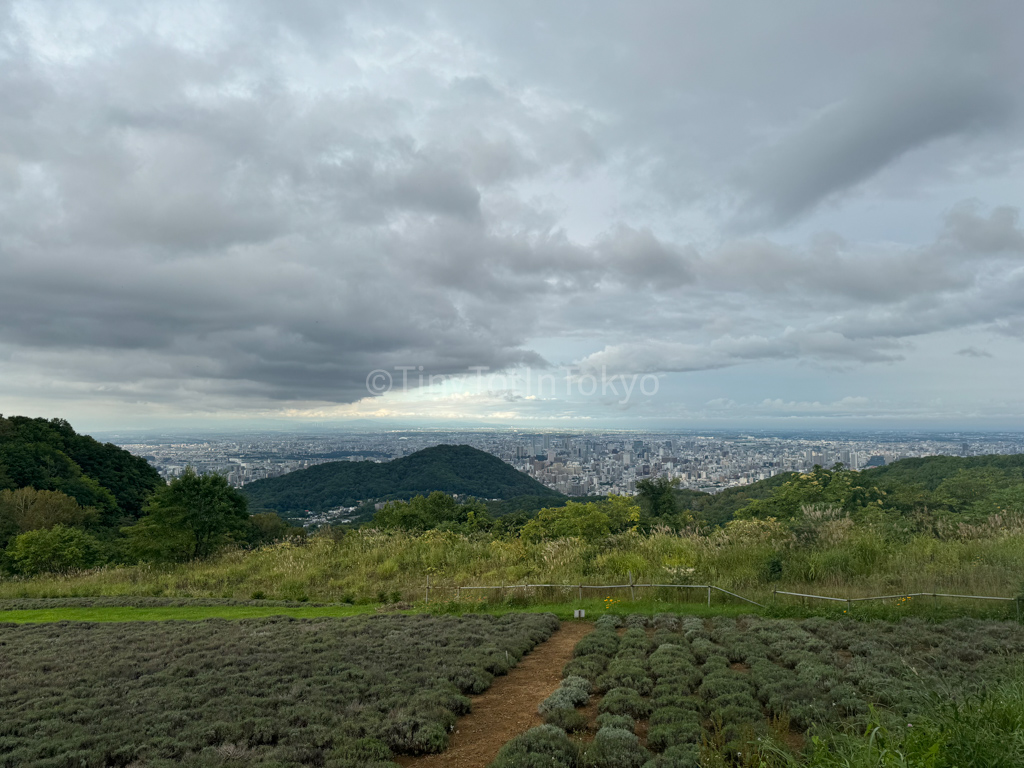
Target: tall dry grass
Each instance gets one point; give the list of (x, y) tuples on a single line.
[(828, 555)]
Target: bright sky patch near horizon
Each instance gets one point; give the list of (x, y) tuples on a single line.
[(774, 214)]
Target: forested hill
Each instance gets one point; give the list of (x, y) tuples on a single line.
[(932, 471), (964, 489), (49, 455), (454, 469)]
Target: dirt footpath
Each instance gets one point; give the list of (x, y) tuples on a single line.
[(509, 706)]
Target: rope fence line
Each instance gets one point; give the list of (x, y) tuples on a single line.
[(632, 586), (934, 595)]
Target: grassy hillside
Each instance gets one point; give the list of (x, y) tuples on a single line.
[(454, 469)]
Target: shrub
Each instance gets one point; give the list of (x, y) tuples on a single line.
[(702, 649), (55, 550), (668, 715), (471, 679), (589, 666), (668, 660), (635, 639), (625, 701), (625, 674), (667, 621), (739, 713), (566, 718), (576, 681), (661, 737), (662, 636), (665, 695), (681, 756), (722, 684), (328, 692), (608, 720), (599, 641), (360, 753), (615, 748), (563, 698), (543, 747)]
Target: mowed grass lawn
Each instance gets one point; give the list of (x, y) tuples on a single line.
[(594, 608)]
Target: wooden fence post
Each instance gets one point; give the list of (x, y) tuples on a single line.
[(426, 600), (709, 597), (632, 591), (581, 592)]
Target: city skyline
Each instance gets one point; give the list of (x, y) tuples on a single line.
[(577, 463), (763, 216)]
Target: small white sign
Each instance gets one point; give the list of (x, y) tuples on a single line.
[(579, 613)]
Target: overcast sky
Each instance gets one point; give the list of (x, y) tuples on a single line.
[(764, 214)]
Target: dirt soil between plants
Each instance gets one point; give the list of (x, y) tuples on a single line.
[(509, 706)]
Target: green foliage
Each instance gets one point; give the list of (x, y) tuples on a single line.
[(438, 510), (615, 748), (836, 487), (49, 455), (27, 509), (625, 673), (543, 747), (931, 471), (980, 729), (268, 527), (453, 469), (192, 517), (713, 510), (660, 502), (680, 756), (567, 718), (601, 642), (608, 720), (591, 521), (566, 696), (625, 701), (661, 737), (53, 550), (588, 666)]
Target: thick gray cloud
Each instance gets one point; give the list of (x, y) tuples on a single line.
[(858, 137), (208, 207)]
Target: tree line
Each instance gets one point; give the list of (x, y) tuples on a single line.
[(69, 502)]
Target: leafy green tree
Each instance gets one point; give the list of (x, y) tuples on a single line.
[(192, 517), (590, 521), (836, 487), (267, 527), (438, 510), (27, 509), (54, 550), (1001, 501), (660, 500), (970, 486)]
